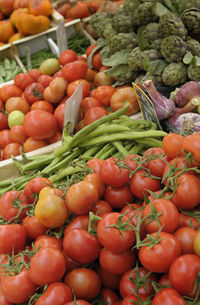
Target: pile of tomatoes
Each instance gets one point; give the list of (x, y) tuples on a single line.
[(126, 233), (33, 108)]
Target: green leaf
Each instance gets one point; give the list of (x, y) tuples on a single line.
[(119, 84), (118, 58), (187, 59), (159, 9), (118, 70), (101, 42), (173, 7), (154, 67), (197, 61), (143, 42)]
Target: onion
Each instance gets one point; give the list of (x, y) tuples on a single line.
[(188, 94), (188, 123)]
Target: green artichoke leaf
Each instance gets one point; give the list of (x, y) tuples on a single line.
[(142, 40), (197, 61), (159, 9), (188, 58), (118, 84), (173, 7), (118, 58), (118, 70), (154, 67), (101, 42)]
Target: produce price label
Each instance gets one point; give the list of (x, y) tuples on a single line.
[(61, 37), (146, 106)]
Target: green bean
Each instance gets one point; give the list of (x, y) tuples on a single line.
[(108, 153), (121, 149), (151, 142), (103, 150), (106, 128), (65, 172), (35, 165), (136, 149), (91, 151)]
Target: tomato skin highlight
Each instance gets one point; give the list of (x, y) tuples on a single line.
[(168, 296)]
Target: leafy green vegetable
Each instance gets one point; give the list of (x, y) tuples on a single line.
[(118, 58)]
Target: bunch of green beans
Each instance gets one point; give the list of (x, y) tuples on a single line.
[(114, 135)]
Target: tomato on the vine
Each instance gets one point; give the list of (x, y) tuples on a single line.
[(12, 238), (34, 186), (168, 296), (33, 92)]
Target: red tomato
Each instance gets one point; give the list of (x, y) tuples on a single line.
[(78, 302), (81, 197), (112, 174), (22, 80), (108, 280), (165, 214), (164, 280), (118, 197), (33, 92), (123, 97), (45, 80), (63, 8), (186, 219), (111, 237), (132, 161), (81, 246), (84, 282), (102, 207), (59, 114), (17, 103), (93, 114), (186, 236), (4, 137), (132, 298), (10, 204), (80, 57), (47, 266), (89, 102), (168, 296), (156, 165), (90, 49), (187, 195), (103, 94), (18, 288), (8, 91), (116, 263), (45, 241), (35, 74), (34, 186), (57, 294), (109, 296), (192, 144), (40, 124), (95, 164), (11, 149), (79, 222), (17, 134), (141, 183), (33, 227), (128, 282), (3, 121), (159, 257), (74, 70), (3, 300), (31, 144), (67, 56), (172, 145), (74, 85), (183, 273), (56, 138), (42, 105), (12, 237), (97, 181), (96, 61)]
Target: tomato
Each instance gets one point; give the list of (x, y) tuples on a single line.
[(81, 246), (90, 49), (131, 161), (34, 186), (31, 144), (40, 124), (90, 74), (183, 273), (97, 181), (164, 280), (141, 183), (22, 80), (93, 114), (111, 237), (80, 10), (102, 207), (187, 194), (45, 241), (67, 56), (63, 8), (172, 145), (186, 237), (45, 80), (108, 280), (17, 134), (3, 121), (42, 105), (11, 149), (74, 70), (116, 263), (81, 57), (113, 174), (168, 216), (109, 296), (51, 211), (95, 5), (159, 257), (10, 204), (56, 138), (57, 294), (132, 299), (192, 144), (96, 61), (118, 197), (35, 74), (47, 266), (60, 115), (33, 227), (123, 97), (4, 137), (103, 94), (12, 237), (89, 102), (196, 243), (168, 296), (95, 164), (48, 190), (138, 279), (188, 220), (84, 282), (81, 197), (18, 288), (79, 222), (3, 300), (156, 165), (78, 302), (33, 93), (74, 85), (8, 91)]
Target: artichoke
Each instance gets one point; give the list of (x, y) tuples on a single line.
[(148, 76), (108, 31), (129, 6), (191, 19), (122, 23), (173, 48), (135, 59), (122, 41), (126, 77), (193, 73), (144, 14), (171, 24), (151, 32), (156, 45), (98, 22), (185, 4), (149, 55), (174, 74), (193, 46), (105, 53)]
